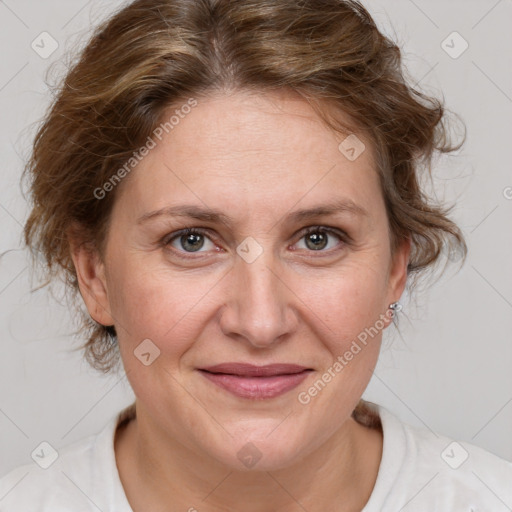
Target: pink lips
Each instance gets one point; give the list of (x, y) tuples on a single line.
[(257, 382)]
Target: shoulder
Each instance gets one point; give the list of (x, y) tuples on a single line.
[(423, 470), (71, 478), (49, 484)]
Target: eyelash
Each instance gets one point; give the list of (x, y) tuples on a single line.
[(168, 239)]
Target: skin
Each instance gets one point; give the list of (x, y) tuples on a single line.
[(256, 158)]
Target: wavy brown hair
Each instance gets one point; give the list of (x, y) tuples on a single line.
[(153, 54)]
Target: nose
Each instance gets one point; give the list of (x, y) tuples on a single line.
[(259, 308)]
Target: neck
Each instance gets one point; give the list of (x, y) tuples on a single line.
[(157, 470)]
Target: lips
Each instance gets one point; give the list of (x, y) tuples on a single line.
[(250, 370), (256, 382)]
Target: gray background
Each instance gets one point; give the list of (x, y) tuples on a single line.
[(450, 368)]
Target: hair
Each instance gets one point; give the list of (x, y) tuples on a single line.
[(153, 54)]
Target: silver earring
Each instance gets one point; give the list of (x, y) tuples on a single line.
[(396, 306)]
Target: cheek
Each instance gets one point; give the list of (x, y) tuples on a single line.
[(351, 305), (158, 304), (346, 300)]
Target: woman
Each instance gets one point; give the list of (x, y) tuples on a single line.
[(279, 141)]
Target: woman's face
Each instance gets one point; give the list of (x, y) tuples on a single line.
[(253, 287)]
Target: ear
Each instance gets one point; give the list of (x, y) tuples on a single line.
[(398, 270), (91, 279)]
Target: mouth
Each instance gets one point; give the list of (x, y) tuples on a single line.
[(256, 382)]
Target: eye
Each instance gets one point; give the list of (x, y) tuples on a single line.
[(189, 240), (192, 240), (317, 238)]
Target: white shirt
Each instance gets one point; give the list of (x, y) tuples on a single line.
[(419, 472)]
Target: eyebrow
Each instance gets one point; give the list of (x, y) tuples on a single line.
[(212, 215)]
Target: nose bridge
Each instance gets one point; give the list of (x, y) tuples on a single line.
[(259, 303)]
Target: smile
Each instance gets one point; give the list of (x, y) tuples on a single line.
[(256, 382)]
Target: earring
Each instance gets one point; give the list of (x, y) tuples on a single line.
[(395, 306)]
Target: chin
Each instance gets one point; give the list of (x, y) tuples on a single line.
[(261, 452)]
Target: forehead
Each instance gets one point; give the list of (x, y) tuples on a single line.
[(250, 152)]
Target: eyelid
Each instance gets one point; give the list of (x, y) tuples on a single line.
[(341, 234), (185, 231), (327, 229)]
